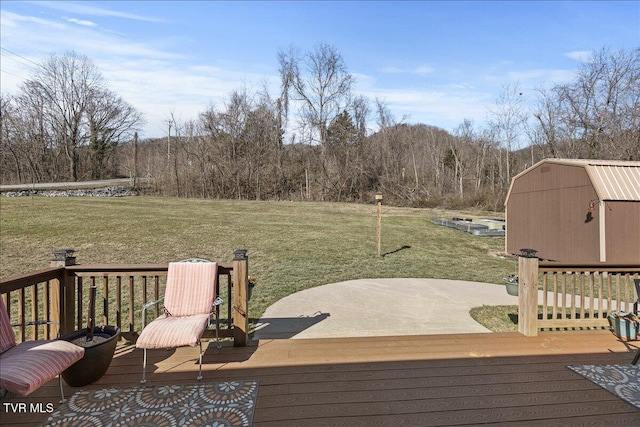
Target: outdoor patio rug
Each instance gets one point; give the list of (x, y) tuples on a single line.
[(227, 404), (621, 380)]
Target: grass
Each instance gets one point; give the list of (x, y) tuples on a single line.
[(503, 318), (291, 245)]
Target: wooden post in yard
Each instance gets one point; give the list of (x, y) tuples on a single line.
[(63, 293), (528, 293), (240, 298), (379, 222)]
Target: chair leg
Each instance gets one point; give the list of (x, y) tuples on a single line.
[(218, 301), (62, 399), (144, 367), (200, 363), (218, 344), (635, 359)]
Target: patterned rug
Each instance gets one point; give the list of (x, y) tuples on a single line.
[(621, 380), (227, 404)]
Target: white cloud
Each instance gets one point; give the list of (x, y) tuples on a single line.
[(442, 108), (161, 88), (364, 81), (14, 20), (422, 69), (579, 55), (444, 105), (85, 9), (540, 75), (82, 22), (391, 70)]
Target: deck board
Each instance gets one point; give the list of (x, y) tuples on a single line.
[(439, 380)]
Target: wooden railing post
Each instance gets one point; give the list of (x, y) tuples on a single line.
[(528, 294), (63, 292), (240, 298)]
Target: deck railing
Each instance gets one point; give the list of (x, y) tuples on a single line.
[(59, 295), (31, 299), (572, 296)]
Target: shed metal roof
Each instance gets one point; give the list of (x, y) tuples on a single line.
[(612, 179), (616, 182)]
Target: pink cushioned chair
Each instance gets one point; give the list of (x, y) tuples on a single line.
[(28, 365), (189, 298)]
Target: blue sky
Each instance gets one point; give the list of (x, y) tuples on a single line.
[(432, 62)]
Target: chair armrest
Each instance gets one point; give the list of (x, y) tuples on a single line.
[(35, 323), (152, 303), (38, 323), (144, 310)]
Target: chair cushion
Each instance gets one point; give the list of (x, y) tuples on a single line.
[(191, 287), (30, 364), (7, 337), (173, 331)]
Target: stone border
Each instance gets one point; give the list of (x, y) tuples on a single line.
[(118, 191)]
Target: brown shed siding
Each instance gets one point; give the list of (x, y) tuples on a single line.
[(623, 231), (547, 211)]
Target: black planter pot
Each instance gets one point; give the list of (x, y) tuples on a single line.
[(96, 359)]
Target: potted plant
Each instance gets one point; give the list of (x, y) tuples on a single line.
[(99, 343), (512, 284)]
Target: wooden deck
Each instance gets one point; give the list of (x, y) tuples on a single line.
[(435, 380)]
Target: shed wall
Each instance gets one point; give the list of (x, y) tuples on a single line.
[(547, 210), (623, 231)]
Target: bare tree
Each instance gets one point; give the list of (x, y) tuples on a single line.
[(508, 119), (111, 121), (547, 115), (66, 107), (361, 110), (319, 82), (597, 115), (67, 83), (320, 85)]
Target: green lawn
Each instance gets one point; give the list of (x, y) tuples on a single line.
[(291, 245)]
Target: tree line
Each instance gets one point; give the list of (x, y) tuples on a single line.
[(312, 140)]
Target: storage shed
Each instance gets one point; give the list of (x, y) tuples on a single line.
[(576, 211)]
